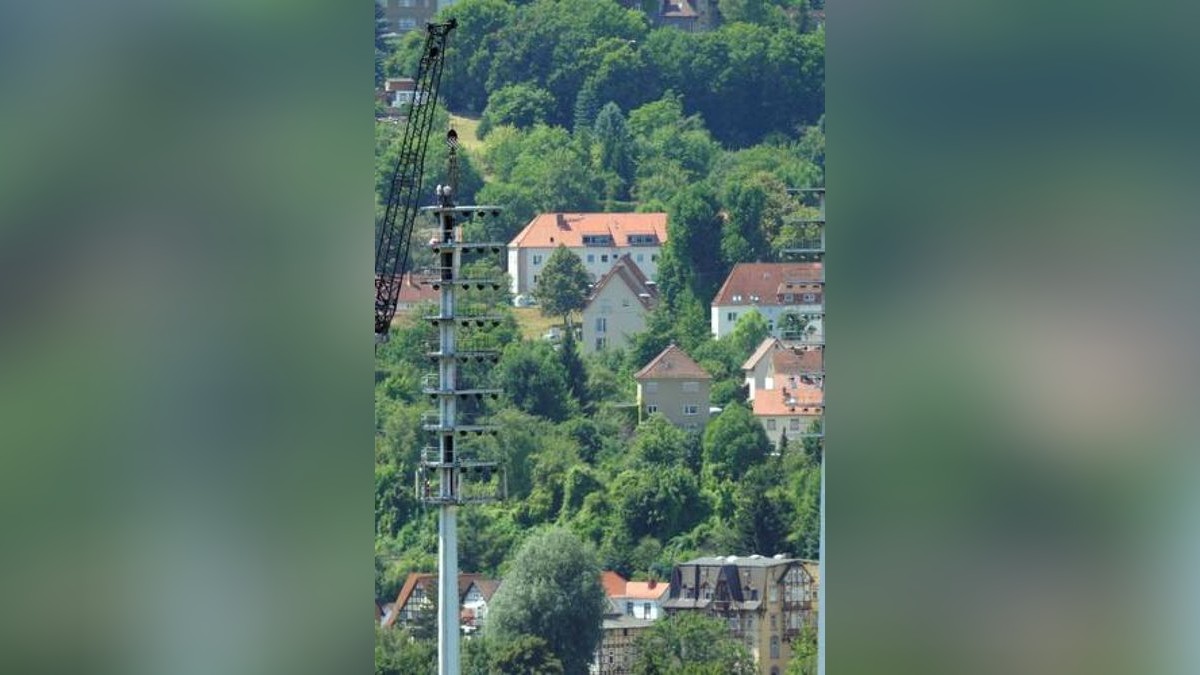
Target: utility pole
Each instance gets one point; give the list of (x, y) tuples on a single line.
[(445, 478)]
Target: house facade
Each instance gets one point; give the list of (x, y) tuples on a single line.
[(405, 15), (414, 600), (617, 306), (633, 606), (599, 239), (766, 602), (789, 409), (790, 296), (676, 386), (778, 361)]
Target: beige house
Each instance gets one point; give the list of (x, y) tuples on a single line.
[(617, 306), (766, 602), (599, 239), (791, 409), (676, 386)]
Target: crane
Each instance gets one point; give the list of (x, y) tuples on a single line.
[(404, 191)]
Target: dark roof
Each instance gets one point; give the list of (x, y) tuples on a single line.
[(763, 283)]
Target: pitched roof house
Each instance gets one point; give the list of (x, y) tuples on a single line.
[(617, 306), (599, 239), (474, 593), (790, 409), (676, 386), (790, 296), (765, 602)]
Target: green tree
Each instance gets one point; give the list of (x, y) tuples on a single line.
[(521, 105), (616, 145), (659, 443), (689, 643), (525, 655), (397, 653), (748, 333), (533, 379), (552, 591), (576, 372), (662, 502), (804, 653), (563, 285), (762, 513), (733, 442)]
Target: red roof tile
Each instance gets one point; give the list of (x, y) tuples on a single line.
[(805, 360), (802, 399), (548, 230), (765, 283), (646, 590), (613, 583), (672, 364)]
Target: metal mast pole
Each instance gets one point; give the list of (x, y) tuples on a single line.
[(444, 477)]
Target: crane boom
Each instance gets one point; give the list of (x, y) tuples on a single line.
[(395, 230)]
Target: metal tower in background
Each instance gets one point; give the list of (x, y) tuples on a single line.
[(462, 353)]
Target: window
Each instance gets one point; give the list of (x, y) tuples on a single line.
[(639, 257), (690, 409), (642, 239), (771, 424), (753, 593), (774, 646), (601, 324), (604, 258), (653, 257), (591, 257), (737, 298), (406, 24), (600, 343), (535, 278), (731, 317), (629, 608), (810, 298), (651, 387), (794, 424), (645, 610), (651, 409), (773, 622), (537, 259), (691, 387)]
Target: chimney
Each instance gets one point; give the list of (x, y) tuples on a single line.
[(653, 583)]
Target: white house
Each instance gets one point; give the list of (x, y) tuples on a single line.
[(599, 239), (778, 361), (617, 306), (790, 296)]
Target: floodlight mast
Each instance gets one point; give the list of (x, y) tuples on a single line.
[(445, 477)]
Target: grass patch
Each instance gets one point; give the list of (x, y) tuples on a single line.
[(533, 324), (468, 133)]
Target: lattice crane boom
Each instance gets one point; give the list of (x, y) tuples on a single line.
[(404, 191)]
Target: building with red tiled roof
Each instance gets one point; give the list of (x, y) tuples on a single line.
[(599, 239), (617, 307), (790, 296), (677, 387), (789, 408)]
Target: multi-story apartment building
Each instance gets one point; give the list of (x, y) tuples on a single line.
[(617, 306), (676, 386), (766, 602), (790, 296), (618, 642), (599, 239)]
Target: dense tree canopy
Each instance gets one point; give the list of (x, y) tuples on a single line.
[(690, 643), (562, 285), (552, 591)]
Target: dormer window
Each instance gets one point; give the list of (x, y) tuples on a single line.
[(737, 298)]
